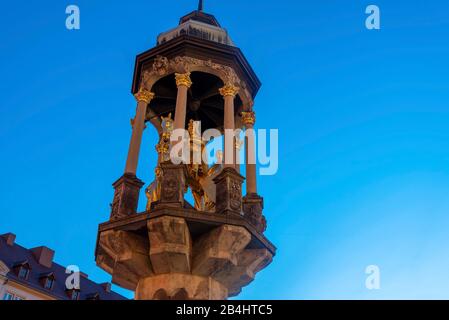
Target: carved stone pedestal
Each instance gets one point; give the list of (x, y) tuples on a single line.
[(253, 212), (124, 255), (229, 192), (166, 260), (178, 286), (126, 196), (172, 185), (171, 245)]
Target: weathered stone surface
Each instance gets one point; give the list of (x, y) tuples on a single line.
[(249, 263), (219, 248), (229, 192), (168, 264), (180, 286), (126, 196), (125, 256), (170, 245), (172, 185), (252, 211)]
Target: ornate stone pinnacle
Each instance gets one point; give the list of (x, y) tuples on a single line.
[(229, 90), (183, 79), (144, 95), (249, 118)]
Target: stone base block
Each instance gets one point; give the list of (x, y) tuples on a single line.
[(124, 255), (180, 287), (249, 263), (170, 245), (219, 248), (126, 196), (252, 210), (162, 261)]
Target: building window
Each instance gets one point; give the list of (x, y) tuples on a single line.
[(49, 283), (47, 280), (73, 294), (24, 272), (9, 296)]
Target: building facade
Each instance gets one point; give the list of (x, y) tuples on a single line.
[(31, 274)]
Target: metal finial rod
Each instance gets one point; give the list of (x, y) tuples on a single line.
[(200, 5)]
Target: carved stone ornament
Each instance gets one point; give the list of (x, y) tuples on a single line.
[(143, 95), (249, 118), (253, 212), (229, 192), (182, 64), (170, 187), (236, 195), (229, 90), (160, 65), (183, 79), (126, 196)]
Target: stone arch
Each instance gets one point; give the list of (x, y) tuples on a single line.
[(161, 294), (163, 67), (180, 295)]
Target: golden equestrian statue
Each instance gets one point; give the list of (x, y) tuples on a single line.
[(153, 192)]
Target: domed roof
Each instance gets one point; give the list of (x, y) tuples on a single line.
[(201, 16), (198, 24)]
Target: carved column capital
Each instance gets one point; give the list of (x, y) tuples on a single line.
[(229, 90), (249, 118), (183, 79), (144, 95)]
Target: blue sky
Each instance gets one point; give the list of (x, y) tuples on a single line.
[(363, 118)]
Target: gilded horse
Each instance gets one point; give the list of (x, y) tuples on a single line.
[(153, 192)]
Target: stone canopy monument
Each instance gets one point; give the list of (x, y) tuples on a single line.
[(213, 248)]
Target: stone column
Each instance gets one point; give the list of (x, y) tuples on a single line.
[(229, 92), (249, 119), (252, 202), (184, 83), (238, 148), (143, 98), (127, 188)]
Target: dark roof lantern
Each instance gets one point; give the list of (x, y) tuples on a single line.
[(201, 17)]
